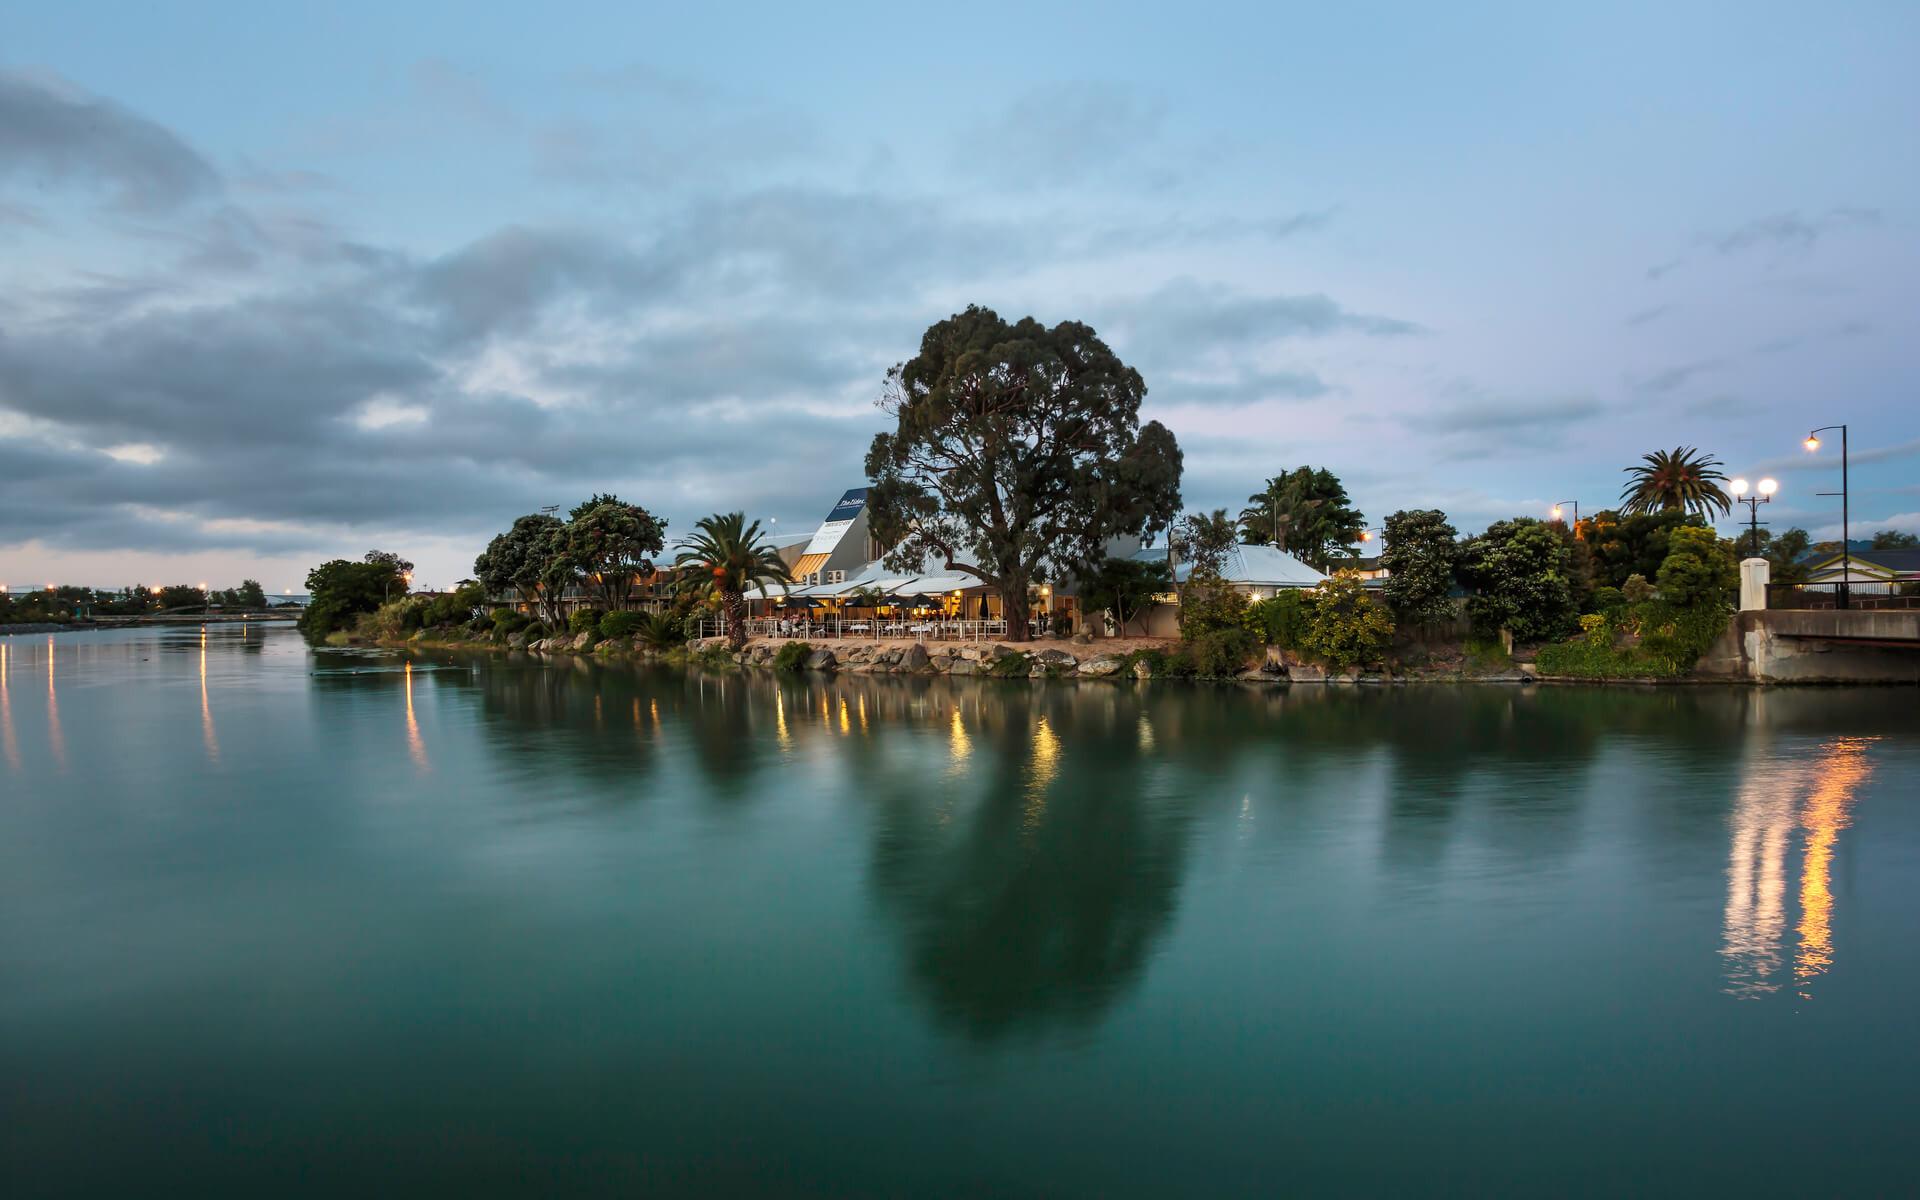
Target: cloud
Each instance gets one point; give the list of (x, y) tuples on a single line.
[(1475, 424), (1186, 317), (1781, 233), (53, 133), (1674, 378), (1062, 135), (1648, 316)]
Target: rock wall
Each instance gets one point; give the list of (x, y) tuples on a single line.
[(1828, 646)]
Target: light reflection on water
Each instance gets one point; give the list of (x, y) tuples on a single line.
[(1778, 798), (1169, 935)]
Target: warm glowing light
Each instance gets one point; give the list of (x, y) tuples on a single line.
[(7, 742), (1556, 512), (1842, 770), (1769, 486), (959, 745), (1366, 535), (1739, 487), (1813, 443), (207, 733), (418, 748)]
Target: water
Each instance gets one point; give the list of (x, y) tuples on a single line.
[(350, 922)]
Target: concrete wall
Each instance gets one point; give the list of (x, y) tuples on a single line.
[(1798, 646)]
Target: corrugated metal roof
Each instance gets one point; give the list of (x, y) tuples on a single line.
[(1254, 566)]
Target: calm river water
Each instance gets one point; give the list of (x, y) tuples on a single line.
[(274, 920)]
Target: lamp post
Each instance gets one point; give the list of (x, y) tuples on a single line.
[(1753, 498), (1843, 598), (1576, 513)]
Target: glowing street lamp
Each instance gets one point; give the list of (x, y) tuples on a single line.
[(1753, 498), (1842, 599), (1557, 510)]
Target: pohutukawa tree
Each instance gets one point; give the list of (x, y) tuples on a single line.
[(1682, 478), (531, 559), (611, 542), (1421, 552), (729, 557), (1017, 448)]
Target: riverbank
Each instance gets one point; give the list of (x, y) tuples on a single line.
[(1108, 659), (137, 622)]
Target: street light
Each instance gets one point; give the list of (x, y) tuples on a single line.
[(1576, 513), (1843, 597), (1753, 498)]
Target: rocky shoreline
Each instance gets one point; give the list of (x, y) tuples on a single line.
[(986, 659)]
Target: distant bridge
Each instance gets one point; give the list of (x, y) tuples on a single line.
[(1818, 646)]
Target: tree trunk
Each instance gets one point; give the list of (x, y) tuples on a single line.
[(1013, 605), (735, 606)]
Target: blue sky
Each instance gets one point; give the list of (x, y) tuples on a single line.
[(277, 285)]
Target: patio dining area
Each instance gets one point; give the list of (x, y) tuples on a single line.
[(875, 606)]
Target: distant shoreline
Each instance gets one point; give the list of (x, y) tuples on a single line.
[(142, 622)]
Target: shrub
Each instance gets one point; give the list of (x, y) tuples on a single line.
[(713, 658), (662, 631), (1221, 652), (792, 656), (583, 620), (508, 621), (1346, 626), (1636, 590), (1209, 604), (1280, 620), (1607, 600), (620, 624), (1698, 570)]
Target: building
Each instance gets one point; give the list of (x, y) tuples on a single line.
[(1256, 572), (1873, 572)]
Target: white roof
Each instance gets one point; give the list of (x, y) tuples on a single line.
[(1254, 566)]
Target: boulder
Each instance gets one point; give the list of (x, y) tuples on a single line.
[(1083, 639), (518, 641), (821, 660), (1302, 672), (1100, 666), (699, 644), (1143, 670), (914, 658), (963, 666), (585, 641), (1257, 675)]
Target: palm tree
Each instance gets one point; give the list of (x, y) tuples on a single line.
[(1682, 478), (730, 555)]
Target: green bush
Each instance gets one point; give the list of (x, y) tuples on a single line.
[(1280, 620), (792, 656), (1221, 652), (1607, 600), (583, 620), (662, 631), (508, 621), (713, 658), (1210, 604), (621, 624), (1346, 626)]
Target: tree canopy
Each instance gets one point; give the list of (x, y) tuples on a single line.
[(340, 590), (730, 555), (1681, 478), (1636, 544), (609, 541), (1894, 539), (529, 558), (1305, 512), (1016, 446), (1421, 551), (1520, 572), (1125, 587)]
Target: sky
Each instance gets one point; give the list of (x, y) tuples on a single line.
[(286, 283)]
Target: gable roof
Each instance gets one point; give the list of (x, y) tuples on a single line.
[(1904, 561), (1253, 566)]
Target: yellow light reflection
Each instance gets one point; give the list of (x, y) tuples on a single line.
[(1842, 769), (1756, 918), (1146, 733), (959, 745), (1040, 772), (1765, 817), (415, 745), (7, 743), (863, 712), (780, 733), (846, 719), (206, 709), (56, 740)]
